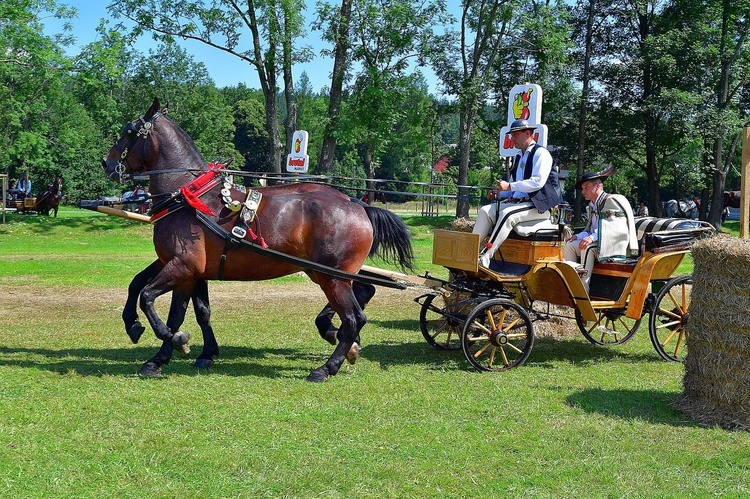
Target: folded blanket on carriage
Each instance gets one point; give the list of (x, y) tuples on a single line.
[(679, 233)]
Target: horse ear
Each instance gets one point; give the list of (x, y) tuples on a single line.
[(153, 109), (165, 109)]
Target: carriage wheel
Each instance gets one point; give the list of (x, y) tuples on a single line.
[(441, 322), (670, 316), (611, 327), (498, 335)]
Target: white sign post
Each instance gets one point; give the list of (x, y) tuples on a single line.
[(297, 161), (524, 103)]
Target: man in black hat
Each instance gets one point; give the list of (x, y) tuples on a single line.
[(532, 190), (610, 231)]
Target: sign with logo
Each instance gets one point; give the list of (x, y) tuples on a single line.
[(524, 103), (297, 161)]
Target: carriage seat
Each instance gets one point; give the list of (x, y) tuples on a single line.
[(536, 227)]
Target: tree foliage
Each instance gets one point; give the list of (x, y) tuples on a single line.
[(655, 87)]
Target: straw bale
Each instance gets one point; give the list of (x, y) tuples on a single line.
[(716, 386), (462, 224)]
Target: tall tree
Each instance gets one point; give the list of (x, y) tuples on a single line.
[(336, 31), (272, 24), (43, 129), (483, 26), (386, 37), (588, 22), (178, 80), (719, 71), (642, 118)]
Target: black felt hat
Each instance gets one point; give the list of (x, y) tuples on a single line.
[(519, 125), (610, 170)]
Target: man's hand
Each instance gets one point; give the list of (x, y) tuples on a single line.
[(503, 185), (585, 243)]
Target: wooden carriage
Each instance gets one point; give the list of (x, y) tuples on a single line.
[(489, 313)]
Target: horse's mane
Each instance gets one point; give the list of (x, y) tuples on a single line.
[(185, 138)]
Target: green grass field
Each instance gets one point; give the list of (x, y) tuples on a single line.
[(405, 421)]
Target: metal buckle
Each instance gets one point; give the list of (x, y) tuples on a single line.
[(238, 231)]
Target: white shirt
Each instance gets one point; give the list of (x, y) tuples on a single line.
[(540, 170), (594, 234)]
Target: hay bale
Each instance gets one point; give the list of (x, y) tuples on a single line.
[(461, 224), (716, 386)]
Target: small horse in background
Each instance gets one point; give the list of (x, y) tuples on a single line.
[(49, 200), (681, 209), (732, 199), (378, 196)]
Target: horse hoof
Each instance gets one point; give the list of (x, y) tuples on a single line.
[(330, 335), (203, 363), (135, 331), (180, 341), (150, 370), (317, 376), (351, 357)]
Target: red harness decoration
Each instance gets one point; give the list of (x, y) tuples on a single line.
[(202, 184)]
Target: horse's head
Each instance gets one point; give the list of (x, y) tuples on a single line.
[(732, 199), (56, 185), (132, 152)]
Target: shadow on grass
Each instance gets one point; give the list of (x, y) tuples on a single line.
[(644, 405), (546, 351), (233, 361), (41, 223), (272, 362)]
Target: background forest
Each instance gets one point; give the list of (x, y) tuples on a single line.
[(656, 87)]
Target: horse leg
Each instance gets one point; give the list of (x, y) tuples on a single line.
[(133, 326), (324, 321), (177, 309), (166, 280), (203, 317), (342, 299)]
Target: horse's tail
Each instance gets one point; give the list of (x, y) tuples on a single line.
[(391, 240)]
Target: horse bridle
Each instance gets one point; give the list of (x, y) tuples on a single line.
[(134, 132)]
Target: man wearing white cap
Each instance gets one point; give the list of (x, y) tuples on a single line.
[(532, 190)]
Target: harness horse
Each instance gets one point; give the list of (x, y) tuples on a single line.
[(203, 231), (49, 200)]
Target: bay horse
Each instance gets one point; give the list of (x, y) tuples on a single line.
[(49, 200), (312, 222), (732, 199), (378, 196)]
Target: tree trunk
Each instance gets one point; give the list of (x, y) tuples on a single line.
[(582, 111), (290, 123), (273, 159), (370, 169), (466, 125), (267, 77), (327, 155)]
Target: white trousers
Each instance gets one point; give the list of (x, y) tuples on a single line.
[(571, 253), (508, 215)]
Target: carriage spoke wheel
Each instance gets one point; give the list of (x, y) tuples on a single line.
[(670, 317), (611, 327), (441, 322), (498, 335)]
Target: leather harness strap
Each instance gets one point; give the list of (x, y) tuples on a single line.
[(234, 243)]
